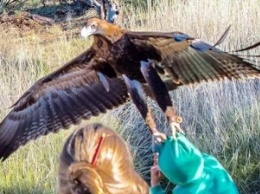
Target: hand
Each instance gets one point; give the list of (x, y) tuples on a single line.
[(156, 175), (159, 137)]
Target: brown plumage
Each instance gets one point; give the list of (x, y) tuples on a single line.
[(161, 95), (91, 83)]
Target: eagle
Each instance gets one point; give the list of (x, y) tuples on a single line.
[(93, 83)]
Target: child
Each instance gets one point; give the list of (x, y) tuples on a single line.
[(192, 171)]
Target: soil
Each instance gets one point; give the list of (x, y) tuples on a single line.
[(68, 17)]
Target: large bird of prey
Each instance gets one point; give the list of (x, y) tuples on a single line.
[(92, 82)]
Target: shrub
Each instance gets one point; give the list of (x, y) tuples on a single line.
[(11, 5)]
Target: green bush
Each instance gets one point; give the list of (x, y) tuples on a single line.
[(11, 5)]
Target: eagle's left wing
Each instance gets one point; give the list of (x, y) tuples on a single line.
[(186, 60)]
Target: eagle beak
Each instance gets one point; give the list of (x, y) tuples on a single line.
[(87, 31)]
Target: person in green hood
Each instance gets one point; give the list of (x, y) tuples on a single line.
[(192, 171)]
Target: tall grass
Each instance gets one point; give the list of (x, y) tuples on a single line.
[(222, 119), (23, 61)]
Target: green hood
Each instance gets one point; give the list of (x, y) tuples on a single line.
[(180, 161)]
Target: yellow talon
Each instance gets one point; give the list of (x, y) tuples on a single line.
[(177, 119)]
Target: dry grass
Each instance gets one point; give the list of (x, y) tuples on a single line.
[(23, 61), (221, 118)]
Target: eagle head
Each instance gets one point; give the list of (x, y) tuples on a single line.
[(96, 26)]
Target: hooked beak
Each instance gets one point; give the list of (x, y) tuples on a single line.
[(87, 31)]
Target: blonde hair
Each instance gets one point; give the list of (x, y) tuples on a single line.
[(113, 171)]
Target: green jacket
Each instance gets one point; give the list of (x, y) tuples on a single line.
[(192, 171)]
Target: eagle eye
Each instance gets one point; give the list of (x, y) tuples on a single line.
[(93, 26)]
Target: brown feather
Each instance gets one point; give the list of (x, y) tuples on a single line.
[(191, 65)]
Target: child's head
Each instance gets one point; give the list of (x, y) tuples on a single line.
[(113, 169)]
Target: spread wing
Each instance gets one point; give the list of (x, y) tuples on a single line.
[(72, 93), (185, 60)]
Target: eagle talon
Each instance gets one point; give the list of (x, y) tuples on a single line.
[(175, 127), (177, 119), (159, 137)]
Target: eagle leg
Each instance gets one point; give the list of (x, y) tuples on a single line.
[(174, 120), (139, 99), (161, 96)]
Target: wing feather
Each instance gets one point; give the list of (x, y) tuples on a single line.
[(59, 100), (215, 70), (183, 72), (201, 69), (192, 75), (188, 60)]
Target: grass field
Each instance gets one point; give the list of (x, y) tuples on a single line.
[(220, 118)]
